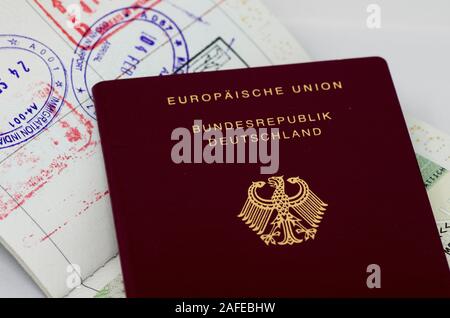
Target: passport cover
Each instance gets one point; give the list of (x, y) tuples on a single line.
[(346, 202)]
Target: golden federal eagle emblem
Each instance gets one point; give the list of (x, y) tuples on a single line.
[(297, 217)]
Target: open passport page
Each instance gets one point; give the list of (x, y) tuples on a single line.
[(55, 213)]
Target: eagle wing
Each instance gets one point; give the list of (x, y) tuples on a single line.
[(308, 205), (256, 211)]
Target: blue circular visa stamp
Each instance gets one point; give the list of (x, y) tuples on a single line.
[(32, 88), (127, 42)]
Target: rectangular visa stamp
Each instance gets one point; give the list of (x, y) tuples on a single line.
[(218, 55)]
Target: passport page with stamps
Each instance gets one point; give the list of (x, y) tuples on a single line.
[(55, 213)]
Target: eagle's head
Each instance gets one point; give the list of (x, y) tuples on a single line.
[(259, 184), (276, 181), (294, 180)]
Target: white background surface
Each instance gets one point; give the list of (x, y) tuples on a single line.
[(414, 38)]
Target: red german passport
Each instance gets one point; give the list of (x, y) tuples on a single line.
[(285, 181)]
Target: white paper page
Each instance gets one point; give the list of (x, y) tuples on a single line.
[(55, 213)]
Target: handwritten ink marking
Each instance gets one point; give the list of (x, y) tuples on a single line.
[(189, 13)]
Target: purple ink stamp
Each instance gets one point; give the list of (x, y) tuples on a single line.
[(127, 42), (32, 88)]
